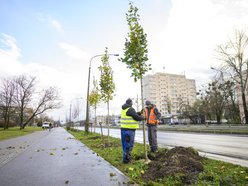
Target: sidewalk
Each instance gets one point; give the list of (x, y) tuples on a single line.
[(53, 159)]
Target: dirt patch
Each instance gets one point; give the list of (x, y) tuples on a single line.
[(179, 161)]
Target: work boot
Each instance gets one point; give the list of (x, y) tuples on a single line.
[(151, 155)]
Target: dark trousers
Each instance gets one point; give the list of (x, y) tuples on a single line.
[(127, 140), (152, 137)]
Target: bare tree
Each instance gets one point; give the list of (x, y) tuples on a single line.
[(24, 88), (47, 99), (6, 100), (76, 111), (234, 55)]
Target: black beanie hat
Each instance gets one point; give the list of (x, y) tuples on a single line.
[(129, 101), (148, 102)]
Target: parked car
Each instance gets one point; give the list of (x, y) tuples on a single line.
[(45, 125)]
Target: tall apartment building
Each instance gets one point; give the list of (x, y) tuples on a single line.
[(169, 91)]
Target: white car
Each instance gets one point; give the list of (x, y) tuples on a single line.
[(45, 125)]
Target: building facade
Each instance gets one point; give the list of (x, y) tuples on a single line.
[(169, 91)]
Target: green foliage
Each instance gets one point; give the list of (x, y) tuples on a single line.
[(135, 51), (106, 81), (94, 97), (218, 98), (222, 173)]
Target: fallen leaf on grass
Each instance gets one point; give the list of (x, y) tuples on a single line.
[(142, 172), (112, 174), (130, 168)]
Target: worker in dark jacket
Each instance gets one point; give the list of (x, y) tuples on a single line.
[(129, 123)]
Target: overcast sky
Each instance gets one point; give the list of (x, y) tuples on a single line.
[(55, 40)]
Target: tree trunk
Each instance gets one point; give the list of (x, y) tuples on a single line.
[(235, 111), (21, 120), (8, 116), (102, 134), (245, 107), (5, 118), (218, 118), (108, 121), (95, 119), (143, 122)]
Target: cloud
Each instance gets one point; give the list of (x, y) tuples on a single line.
[(53, 22), (73, 51), (9, 56), (56, 25), (9, 43)]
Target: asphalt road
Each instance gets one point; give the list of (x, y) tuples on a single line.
[(229, 148), (54, 159)]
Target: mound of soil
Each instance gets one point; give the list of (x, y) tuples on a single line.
[(180, 160)]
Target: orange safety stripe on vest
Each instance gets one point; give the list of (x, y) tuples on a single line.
[(152, 118)]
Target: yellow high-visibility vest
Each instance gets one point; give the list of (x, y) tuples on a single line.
[(128, 122)]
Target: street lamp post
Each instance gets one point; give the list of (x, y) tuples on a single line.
[(86, 129), (221, 73)]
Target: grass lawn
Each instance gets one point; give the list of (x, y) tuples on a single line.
[(214, 173), (15, 131)]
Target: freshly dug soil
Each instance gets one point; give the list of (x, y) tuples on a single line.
[(185, 161)]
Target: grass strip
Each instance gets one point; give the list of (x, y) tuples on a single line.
[(215, 172), (15, 132)]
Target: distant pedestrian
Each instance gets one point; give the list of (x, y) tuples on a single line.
[(50, 126), (129, 123), (152, 115)]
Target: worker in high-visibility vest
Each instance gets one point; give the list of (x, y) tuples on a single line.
[(152, 115), (129, 123)]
